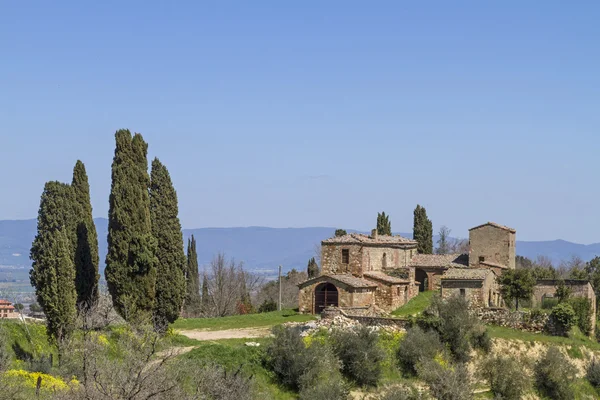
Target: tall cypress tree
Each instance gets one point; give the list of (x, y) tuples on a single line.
[(384, 226), (312, 268), (86, 247), (206, 300), (53, 271), (423, 231), (166, 228), (193, 299), (131, 260)]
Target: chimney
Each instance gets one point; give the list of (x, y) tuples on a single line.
[(374, 234)]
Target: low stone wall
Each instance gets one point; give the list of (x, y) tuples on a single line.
[(522, 320), (365, 316), (381, 321)]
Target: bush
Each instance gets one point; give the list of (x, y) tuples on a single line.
[(549, 303), (453, 322), (446, 383), (417, 346), (398, 392), (505, 377), (332, 387), (5, 354), (554, 375), (564, 318), (267, 306), (359, 353), (583, 312), (480, 338), (593, 373), (286, 357)]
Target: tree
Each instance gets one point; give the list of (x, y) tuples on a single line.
[(443, 241), (53, 271), (340, 232), (206, 300), (193, 299), (86, 251), (384, 226), (563, 292), (312, 269), (19, 307), (166, 228), (422, 231), (131, 260), (517, 284)]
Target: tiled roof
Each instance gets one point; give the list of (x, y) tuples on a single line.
[(359, 238), (466, 274), (491, 264), (5, 302), (440, 260), (506, 228), (347, 279), (384, 277)]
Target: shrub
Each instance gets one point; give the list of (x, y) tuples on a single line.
[(446, 383), (417, 346), (267, 306), (583, 311), (398, 392), (286, 357), (359, 353), (328, 388), (505, 377), (549, 303), (593, 373), (554, 375), (480, 338), (564, 318), (5, 355), (453, 322)]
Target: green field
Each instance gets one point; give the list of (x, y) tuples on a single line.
[(242, 321), (416, 305)]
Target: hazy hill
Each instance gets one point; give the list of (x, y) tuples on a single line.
[(260, 248)]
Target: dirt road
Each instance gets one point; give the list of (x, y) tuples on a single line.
[(227, 334)]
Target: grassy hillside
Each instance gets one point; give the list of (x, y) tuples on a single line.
[(242, 321), (416, 305)]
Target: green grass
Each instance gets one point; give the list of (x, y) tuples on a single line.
[(575, 340), (242, 321), (232, 353), (26, 341), (416, 305)]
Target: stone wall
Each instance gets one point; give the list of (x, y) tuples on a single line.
[(391, 296), (583, 289), (331, 259), (495, 245), (522, 320), (347, 297), (381, 258), (471, 289)]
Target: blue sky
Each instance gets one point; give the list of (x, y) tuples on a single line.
[(314, 113)]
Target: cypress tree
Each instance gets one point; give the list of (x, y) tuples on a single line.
[(206, 300), (384, 226), (312, 268), (422, 231), (166, 228), (193, 299), (131, 260), (86, 247), (53, 271)]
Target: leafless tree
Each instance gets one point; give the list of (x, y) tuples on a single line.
[(443, 240), (544, 262), (289, 289)]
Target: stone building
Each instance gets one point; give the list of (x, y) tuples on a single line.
[(359, 271), (7, 310), (477, 285), (493, 246), (429, 268)]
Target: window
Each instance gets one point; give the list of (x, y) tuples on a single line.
[(462, 293), (384, 261), (345, 256), (481, 259), (398, 290)]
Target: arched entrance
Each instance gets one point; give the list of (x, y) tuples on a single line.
[(421, 276), (326, 294)]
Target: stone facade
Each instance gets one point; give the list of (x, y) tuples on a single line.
[(492, 244), (478, 286), (7, 310), (349, 294)]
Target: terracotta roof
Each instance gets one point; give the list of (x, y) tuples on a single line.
[(5, 302), (491, 264), (477, 274), (359, 238), (440, 260), (346, 279), (506, 228), (384, 277)]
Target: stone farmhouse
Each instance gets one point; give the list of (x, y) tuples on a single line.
[(385, 272)]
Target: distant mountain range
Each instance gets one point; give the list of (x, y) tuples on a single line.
[(260, 249)]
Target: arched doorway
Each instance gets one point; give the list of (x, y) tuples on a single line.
[(421, 276), (326, 294)]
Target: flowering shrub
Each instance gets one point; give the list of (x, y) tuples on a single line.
[(30, 380)]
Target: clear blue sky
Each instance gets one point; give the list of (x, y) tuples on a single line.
[(292, 114)]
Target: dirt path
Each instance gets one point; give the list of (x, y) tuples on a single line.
[(227, 334)]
